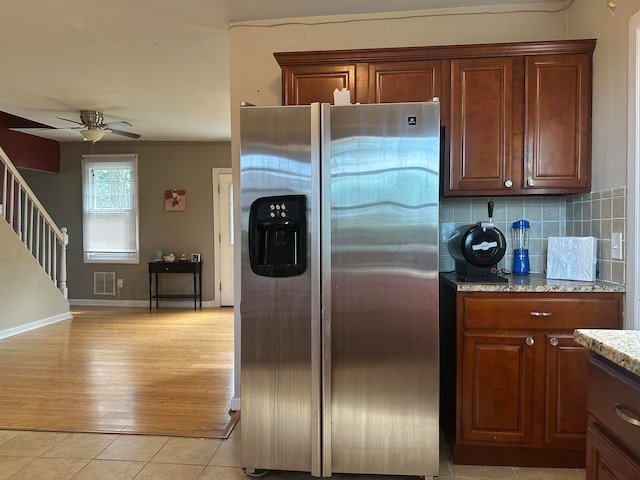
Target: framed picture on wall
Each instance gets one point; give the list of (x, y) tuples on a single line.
[(175, 200)]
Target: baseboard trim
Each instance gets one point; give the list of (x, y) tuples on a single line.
[(10, 332), (90, 302)]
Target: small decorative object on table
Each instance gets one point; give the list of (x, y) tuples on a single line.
[(170, 258), (195, 257)]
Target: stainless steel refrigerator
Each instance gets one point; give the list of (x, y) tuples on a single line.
[(339, 288)]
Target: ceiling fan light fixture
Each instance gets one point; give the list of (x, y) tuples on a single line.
[(92, 135)]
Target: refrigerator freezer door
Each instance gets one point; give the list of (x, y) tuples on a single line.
[(380, 288), (280, 384)]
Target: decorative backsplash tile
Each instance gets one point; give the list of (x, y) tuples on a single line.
[(592, 214)]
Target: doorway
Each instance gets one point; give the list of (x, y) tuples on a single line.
[(223, 236)]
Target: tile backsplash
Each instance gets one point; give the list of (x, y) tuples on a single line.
[(465, 211), (593, 214), (599, 214)]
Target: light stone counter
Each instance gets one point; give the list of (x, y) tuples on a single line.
[(622, 347), (535, 282)]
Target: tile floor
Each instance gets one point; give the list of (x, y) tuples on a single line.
[(87, 456)]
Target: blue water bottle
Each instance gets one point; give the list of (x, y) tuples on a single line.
[(520, 237)]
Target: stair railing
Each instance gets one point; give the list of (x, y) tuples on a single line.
[(30, 221)]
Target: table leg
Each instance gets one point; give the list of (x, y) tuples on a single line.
[(157, 292), (195, 292)]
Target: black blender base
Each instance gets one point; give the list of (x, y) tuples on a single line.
[(470, 273), (488, 279)]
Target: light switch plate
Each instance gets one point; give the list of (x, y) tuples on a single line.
[(616, 246), (446, 229)]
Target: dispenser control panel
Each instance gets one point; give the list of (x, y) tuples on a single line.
[(277, 236)]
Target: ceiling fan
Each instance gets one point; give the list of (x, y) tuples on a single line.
[(95, 128)]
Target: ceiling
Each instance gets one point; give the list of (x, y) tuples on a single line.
[(161, 65)]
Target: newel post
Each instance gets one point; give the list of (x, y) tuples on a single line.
[(63, 263)]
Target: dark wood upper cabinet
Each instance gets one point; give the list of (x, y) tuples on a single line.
[(415, 81), (558, 123), (481, 124), (516, 116), (307, 84)]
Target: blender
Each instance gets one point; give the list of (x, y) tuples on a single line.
[(520, 237)]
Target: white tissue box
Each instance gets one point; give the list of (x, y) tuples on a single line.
[(342, 97), (572, 258)]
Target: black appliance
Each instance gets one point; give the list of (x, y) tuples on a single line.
[(477, 249)]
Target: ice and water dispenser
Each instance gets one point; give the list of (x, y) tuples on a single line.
[(277, 236)]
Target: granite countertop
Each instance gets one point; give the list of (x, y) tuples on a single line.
[(622, 347), (534, 282)]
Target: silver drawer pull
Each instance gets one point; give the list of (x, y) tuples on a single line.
[(540, 314), (628, 416)]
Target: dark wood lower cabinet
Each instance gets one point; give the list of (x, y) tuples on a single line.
[(520, 394), (613, 434), (497, 388), (565, 399)]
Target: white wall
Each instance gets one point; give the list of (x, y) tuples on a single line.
[(612, 161), (28, 297), (592, 19)]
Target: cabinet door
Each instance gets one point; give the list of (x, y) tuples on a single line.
[(302, 85), (558, 123), (415, 81), (497, 381), (605, 460), (481, 126), (566, 393)]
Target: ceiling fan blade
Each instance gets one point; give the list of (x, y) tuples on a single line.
[(117, 124), (72, 121), (123, 133)]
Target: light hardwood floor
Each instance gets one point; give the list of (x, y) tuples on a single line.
[(122, 370)]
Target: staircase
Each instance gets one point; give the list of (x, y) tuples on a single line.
[(32, 224)]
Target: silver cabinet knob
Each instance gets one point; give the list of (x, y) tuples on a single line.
[(529, 341), (553, 341), (531, 182), (508, 184)]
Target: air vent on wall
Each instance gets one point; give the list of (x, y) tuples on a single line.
[(104, 283)]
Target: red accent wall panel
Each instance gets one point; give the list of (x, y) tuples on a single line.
[(28, 151)]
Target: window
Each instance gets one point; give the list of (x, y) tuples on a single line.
[(110, 208)]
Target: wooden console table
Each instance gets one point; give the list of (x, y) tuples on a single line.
[(194, 268)]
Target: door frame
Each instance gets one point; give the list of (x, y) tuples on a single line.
[(217, 275), (632, 301)]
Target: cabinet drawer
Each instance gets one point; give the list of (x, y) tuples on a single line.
[(541, 313), (175, 267), (614, 401), (605, 460)]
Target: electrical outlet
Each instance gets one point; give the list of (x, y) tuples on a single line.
[(120, 283), (446, 229), (616, 246)]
